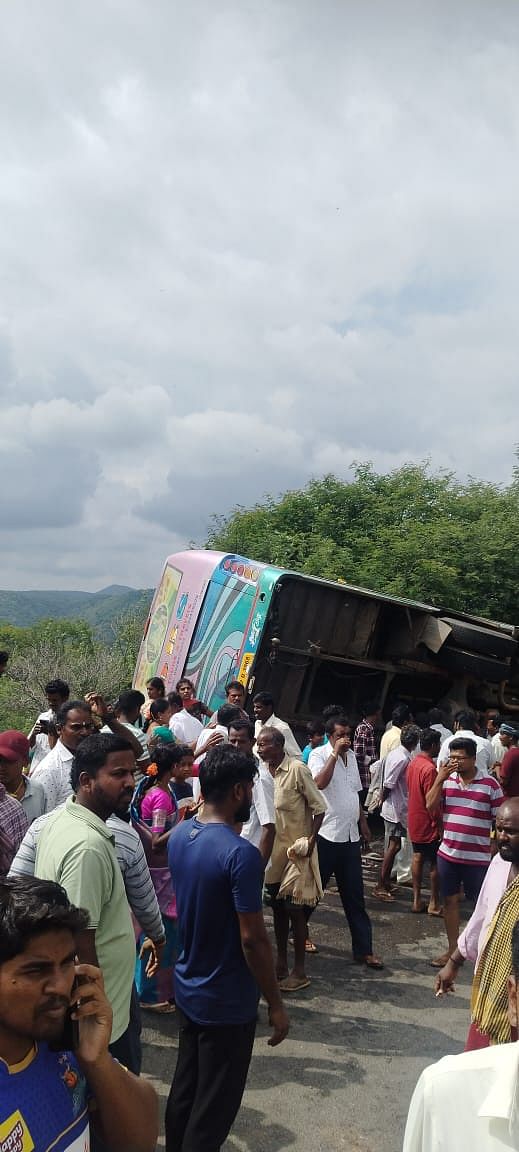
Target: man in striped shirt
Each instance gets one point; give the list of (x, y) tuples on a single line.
[(468, 798), (132, 862)]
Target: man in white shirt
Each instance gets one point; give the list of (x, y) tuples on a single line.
[(260, 828), (265, 718), (435, 718), (219, 734), (57, 693), (465, 725), (394, 806), (234, 694), (211, 736), (185, 727), (335, 771), (492, 720), (74, 722), (472, 1100)]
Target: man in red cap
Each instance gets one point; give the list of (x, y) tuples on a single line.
[(14, 758), (13, 821)]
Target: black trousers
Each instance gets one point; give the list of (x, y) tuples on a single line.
[(344, 861), (127, 1049), (210, 1076)]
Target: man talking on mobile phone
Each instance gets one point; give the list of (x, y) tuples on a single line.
[(51, 1096)]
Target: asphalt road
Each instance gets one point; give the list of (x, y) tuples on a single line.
[(358, 1041)]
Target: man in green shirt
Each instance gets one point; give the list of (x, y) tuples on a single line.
[(76, 849)]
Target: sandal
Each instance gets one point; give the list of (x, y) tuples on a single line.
[(293, 983), (418, 911), (370, 962), (383, 894), (309, 945), (435, 912)]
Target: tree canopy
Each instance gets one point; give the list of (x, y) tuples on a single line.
[(411, 532)]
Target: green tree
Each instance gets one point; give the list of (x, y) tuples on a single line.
[(71, 650), (411, 532)]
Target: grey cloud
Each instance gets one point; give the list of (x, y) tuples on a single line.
[(189, 506), (45, 486), (300, 217)]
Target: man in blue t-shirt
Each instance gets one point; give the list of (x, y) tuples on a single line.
[(50, 1095), (225, 959)]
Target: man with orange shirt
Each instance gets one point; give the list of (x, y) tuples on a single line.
[(423, 827)]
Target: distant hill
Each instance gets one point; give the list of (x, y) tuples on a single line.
[(98, 608)]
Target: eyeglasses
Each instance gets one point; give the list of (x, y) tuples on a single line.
[(86, 724)]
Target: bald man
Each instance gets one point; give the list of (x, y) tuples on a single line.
[(502, 872)]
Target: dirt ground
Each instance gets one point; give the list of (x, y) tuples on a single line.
[(358, 1041)]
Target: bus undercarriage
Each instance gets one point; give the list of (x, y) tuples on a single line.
[(326, 643)]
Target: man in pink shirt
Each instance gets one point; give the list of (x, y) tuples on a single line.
[(501, 873)]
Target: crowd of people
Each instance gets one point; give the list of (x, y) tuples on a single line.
[(139, 843)]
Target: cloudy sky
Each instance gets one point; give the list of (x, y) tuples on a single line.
[(243, 243)]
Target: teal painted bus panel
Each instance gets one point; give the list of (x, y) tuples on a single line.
[(216, 650)]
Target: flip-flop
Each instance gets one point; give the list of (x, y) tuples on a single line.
[(439, 962), (370, 962), (293, 984), (309, 945), (381, 894), (418, 911), (433, 912)]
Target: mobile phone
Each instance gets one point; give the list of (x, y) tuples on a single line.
[(68, 1041), (44, 726)]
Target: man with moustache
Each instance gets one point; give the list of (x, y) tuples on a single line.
[(470, 1100), (76, 849), (51, 1096), (14, 758), (260, 828), (74, 722), (335, 772), (501, 878)]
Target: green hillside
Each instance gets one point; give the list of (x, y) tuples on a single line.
[(99, 609)]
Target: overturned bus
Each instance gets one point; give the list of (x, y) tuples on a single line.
[(312, 642)]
